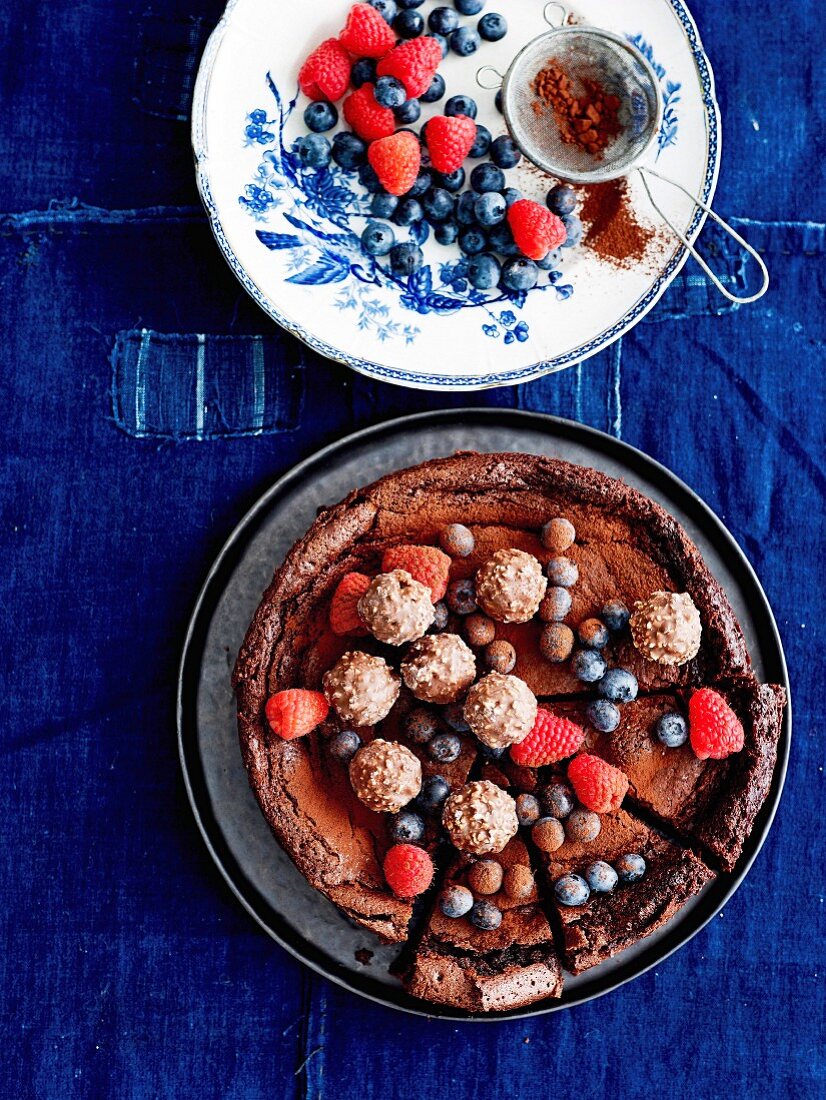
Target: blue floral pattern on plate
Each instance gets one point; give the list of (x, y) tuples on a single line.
[(670, 91), (320, 245)]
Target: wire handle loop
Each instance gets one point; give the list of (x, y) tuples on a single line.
[(483, 73), (724, 225)]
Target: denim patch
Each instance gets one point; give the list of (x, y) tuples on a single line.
[(197, 386), (168, 54)]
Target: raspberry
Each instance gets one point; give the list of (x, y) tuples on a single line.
[(294, 712), (366, 33), (716, 731), (414, 63), (535, 229), (426, 564), (396, 159), (598, 786), (408, 870), (449, 140), (326, 72), (551, 739), (344, 618), (369, 119)]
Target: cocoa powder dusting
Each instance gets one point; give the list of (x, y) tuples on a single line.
[(590, 120), (612, 230)]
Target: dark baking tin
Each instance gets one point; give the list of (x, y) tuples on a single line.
[(595, 983)]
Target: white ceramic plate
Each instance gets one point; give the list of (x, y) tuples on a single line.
[(291, 234)]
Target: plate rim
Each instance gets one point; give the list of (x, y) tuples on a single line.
[(440, 383), (279, 929)]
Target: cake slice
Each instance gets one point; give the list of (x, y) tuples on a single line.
[(709, 802), (516, 964), (608, 923)]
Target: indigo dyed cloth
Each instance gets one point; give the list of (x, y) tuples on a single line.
[(129, 451)]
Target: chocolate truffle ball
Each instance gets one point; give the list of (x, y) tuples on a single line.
[(485, 877), (500, 710), (439, 668), (361, 688), (666, 628), (396, 608), (480, 818), (510, 586), (385, 775)]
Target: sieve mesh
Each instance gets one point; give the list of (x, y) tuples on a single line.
[(590, 54)]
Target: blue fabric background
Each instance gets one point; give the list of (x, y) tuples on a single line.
[(127, 969)]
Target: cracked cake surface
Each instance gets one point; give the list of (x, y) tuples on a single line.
[(626, 547)]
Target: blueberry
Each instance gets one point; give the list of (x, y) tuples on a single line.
[(571, 890), (562, 571), (484, 271), (378, 238), (556, 605), (490, 753), (583, 826), (492, 27), (369, 180), (386, 8), (408, 24), (363, 72), (408, 212), (672, 730), (390, 92), (444, 45), (573, 227), (512, 195), (446, 233), (519, 274), (455, 901), (320, 116), (435, 91), (443, 21), (527, 809), (490, 209), (349, 151), (435, 790), (615, 615), (406, 258), (466, 208), (444, 748), (406, 828), (561, 199), (421, 726), (603, 715), (314, 150), (557, 800), (382, 205), (410, 111), (481, 145), (592, 633), (472, 241), (469, 7), (407, 5), (588, 665), (452, 181), (550, 262), (497, 100), (424, 182), (465, 42), (601, 877), (485, 916), (344, 746), (630, 867), (487, 177), (454, 715), (619, 685), (504, 152), (437, 205), (461, 105), (500, 239), (441, 612)]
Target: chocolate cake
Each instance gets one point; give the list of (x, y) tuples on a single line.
[(627, 553)]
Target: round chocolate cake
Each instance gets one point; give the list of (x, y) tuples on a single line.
[(496, 706)]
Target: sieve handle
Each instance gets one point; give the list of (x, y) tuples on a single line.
[(488, 73), (554, 6), (731, 232)]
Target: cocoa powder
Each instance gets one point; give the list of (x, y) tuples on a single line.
[(612, 230), (590, 120)]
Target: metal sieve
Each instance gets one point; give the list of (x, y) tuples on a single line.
[(587, 53)]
